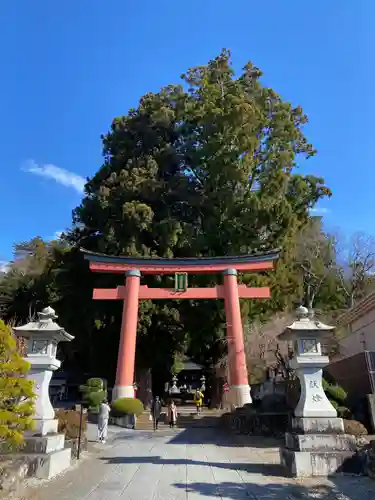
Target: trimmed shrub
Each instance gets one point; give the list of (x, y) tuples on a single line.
[(343, 412), (93, 399), (16, 393), (337, 393), (325, 384), (126, 406), (93, 393), (334, 403), (355, 428), (337, 397), (69, 423), (95, 384)]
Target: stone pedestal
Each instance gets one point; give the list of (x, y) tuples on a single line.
[(123, 391), (47, 455), (313, 401), (239, 395), (316, 447)]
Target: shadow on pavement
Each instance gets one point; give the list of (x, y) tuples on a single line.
[(255, 468), (270, 491), (218, 437)]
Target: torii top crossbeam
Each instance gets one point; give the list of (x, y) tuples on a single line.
[(203, 265)]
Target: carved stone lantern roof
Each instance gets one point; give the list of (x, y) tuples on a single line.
[(45, 327), (305, 325)]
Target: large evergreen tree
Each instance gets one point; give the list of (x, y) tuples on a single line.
[(205, 168)]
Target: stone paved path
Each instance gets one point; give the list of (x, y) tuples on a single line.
[(190, 464)]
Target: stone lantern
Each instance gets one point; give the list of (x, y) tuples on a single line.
[(308, 362), (174, 388), (43, 337), (203, 383), (315, 444)]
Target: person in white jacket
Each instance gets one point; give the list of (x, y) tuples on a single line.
[(104, 410)]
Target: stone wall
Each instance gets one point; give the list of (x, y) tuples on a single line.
[(12, 475), (243, 421)]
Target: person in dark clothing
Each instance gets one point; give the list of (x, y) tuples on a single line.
[(156, 412)]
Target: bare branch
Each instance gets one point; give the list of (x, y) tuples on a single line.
[(356, 265), (315, 255)]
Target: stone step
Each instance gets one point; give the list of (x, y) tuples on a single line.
[(47, 465), (193, 413), (314, 464), (320, 442), (183, 422), (44, 444), (185, 418)]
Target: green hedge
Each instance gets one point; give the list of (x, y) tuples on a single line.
[(337, 393), (126, 406), (338, 398), (343, 412), (334, 403)]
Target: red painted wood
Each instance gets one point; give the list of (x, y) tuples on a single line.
[(217, 292), (105, 267), (128, 335), (238, 375)]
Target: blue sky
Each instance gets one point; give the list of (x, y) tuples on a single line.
[(68, 68)]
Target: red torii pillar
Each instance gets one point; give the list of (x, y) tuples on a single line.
[(238, 376), (128, 338)]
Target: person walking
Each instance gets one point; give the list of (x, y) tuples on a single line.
[(156, 412), (172, 414), (198, 399), (104, 410)]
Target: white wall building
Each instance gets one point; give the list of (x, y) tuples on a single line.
[(360, 324)]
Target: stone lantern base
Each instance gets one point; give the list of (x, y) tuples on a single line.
[(46, 454), (316, 447), (45, 448)]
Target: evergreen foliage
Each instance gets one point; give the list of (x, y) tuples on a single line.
[(338, 398), (93, 393), (126, 406), (178, 364), (16, 392)]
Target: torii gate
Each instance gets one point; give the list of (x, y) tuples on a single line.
[(133, 292)]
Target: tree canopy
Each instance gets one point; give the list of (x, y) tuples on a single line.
[(205, 168)]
